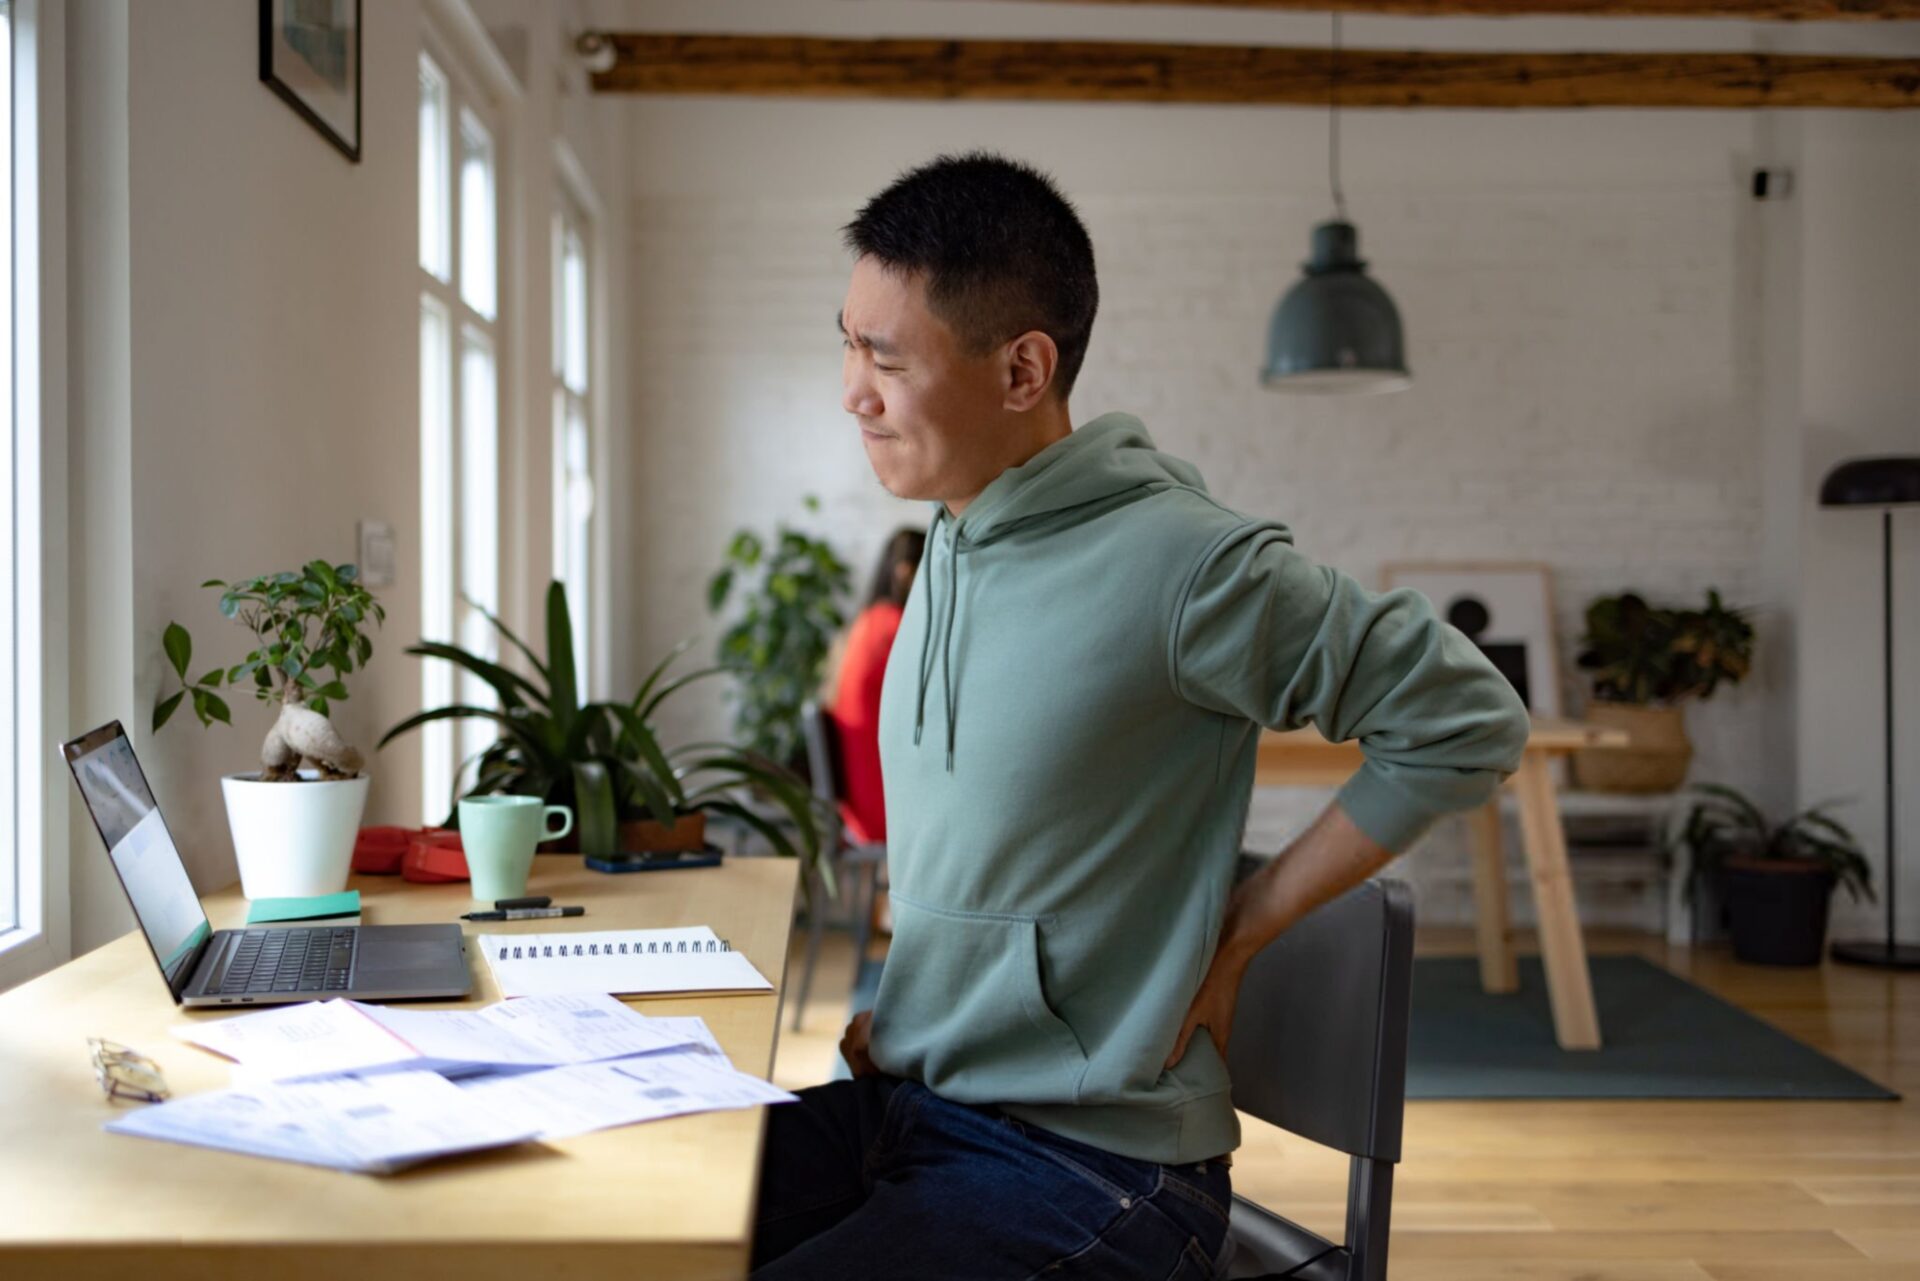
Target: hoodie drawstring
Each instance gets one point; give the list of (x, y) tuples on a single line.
[(946, 642), (941, 618), (933, 614), (1103, 465)]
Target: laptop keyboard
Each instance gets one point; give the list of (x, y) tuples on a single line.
[(291, 961)]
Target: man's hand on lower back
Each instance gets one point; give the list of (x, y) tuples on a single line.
[(853, 1044), (1212, 1007), (1328, 859)]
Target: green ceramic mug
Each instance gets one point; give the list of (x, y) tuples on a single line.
[(498, 834)]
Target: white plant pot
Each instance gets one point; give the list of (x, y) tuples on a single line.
[(294, 840)]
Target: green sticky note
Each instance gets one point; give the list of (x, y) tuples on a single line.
[(262, 910)]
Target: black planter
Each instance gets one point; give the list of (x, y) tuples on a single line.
[(1778, 910)]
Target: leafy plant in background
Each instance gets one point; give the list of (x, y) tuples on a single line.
[(1724, 824), (790, 610), (310, 632), (1642, 654), (604, 760)]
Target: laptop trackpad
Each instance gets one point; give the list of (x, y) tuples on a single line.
[(412, 959)]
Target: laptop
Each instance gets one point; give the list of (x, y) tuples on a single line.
[(204, 966)]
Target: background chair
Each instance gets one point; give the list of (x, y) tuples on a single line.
[(1319, 1048), (856, 863)]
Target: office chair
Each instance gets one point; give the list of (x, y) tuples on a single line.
[(1319, 1048), (860, 861)]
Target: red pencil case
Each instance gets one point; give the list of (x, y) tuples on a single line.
[(377, 851), (434, 854), (424, 854)]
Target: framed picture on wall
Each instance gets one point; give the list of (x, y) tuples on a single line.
[(310, 56), (1504, 607)]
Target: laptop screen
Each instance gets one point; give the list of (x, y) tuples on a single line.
[(141, 848)]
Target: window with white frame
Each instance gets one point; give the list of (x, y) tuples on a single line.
[(572, 422), (33, 909), (460, 345), (10, 868)]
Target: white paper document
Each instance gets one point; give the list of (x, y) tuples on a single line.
[(329, 1037), (316, 1038), (566, 1101), (623, 962), (546, 1031), (695, 1030), (377, 1088), (369, 1124)]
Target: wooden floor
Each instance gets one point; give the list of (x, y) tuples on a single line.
[(1613, 1190)]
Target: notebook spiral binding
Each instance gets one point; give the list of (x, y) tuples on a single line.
[(610, 949)]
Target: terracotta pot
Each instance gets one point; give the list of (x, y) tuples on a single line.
[(1655, 759), (689, 832)]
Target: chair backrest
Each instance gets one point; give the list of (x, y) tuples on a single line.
[(1319, 1043), (822, 736)]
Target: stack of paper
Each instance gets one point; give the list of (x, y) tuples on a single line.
[(330, 1037), (372, 1125), (375, 1088)]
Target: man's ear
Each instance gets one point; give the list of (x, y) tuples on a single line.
[(1031, 360)]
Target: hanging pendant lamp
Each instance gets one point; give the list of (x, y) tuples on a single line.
[(1336, 330)]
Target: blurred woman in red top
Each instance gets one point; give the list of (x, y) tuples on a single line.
[(856, 699)]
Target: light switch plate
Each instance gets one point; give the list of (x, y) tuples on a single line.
[(376, 553)]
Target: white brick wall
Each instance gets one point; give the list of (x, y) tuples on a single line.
[(1582, 329)]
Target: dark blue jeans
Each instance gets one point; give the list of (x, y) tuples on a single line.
[(881, 1178)]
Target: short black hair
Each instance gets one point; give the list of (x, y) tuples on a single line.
[(1003, 252)]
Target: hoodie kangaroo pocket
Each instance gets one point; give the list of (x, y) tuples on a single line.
[(961, 1007)]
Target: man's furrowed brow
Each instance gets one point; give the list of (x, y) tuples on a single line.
[(874, 341)]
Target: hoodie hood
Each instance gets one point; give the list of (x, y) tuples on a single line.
[(1071, 480)]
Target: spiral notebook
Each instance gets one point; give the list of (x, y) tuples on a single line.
[(619, 962)]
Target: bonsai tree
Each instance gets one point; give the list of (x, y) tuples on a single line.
[(604, 760), (309, 629), (779, 642), (1641, 654), (1724, 826)]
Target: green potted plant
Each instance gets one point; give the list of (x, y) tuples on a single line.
[(1647, 662), (1775, 881), (778, 643), (604, 760), (295, 818)]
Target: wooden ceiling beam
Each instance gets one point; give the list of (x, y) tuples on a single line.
[(1751, 10), (1083, 71)]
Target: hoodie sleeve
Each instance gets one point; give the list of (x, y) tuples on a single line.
[(1263, 632)]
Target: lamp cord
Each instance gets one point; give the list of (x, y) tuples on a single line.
[(1333, 123), (1886, 638)]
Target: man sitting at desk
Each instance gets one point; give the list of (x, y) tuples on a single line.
[(1067, 734)]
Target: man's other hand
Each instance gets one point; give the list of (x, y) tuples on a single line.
[(853, 1045)]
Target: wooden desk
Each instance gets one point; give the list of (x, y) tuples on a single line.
[(1303, 758), (667, 1198)]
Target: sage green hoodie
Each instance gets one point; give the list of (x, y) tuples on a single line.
[(1067, 734)]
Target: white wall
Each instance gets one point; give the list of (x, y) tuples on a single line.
[(99, 431), (1860, 395), (245, 353), (1596, 312), (274, 365)]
